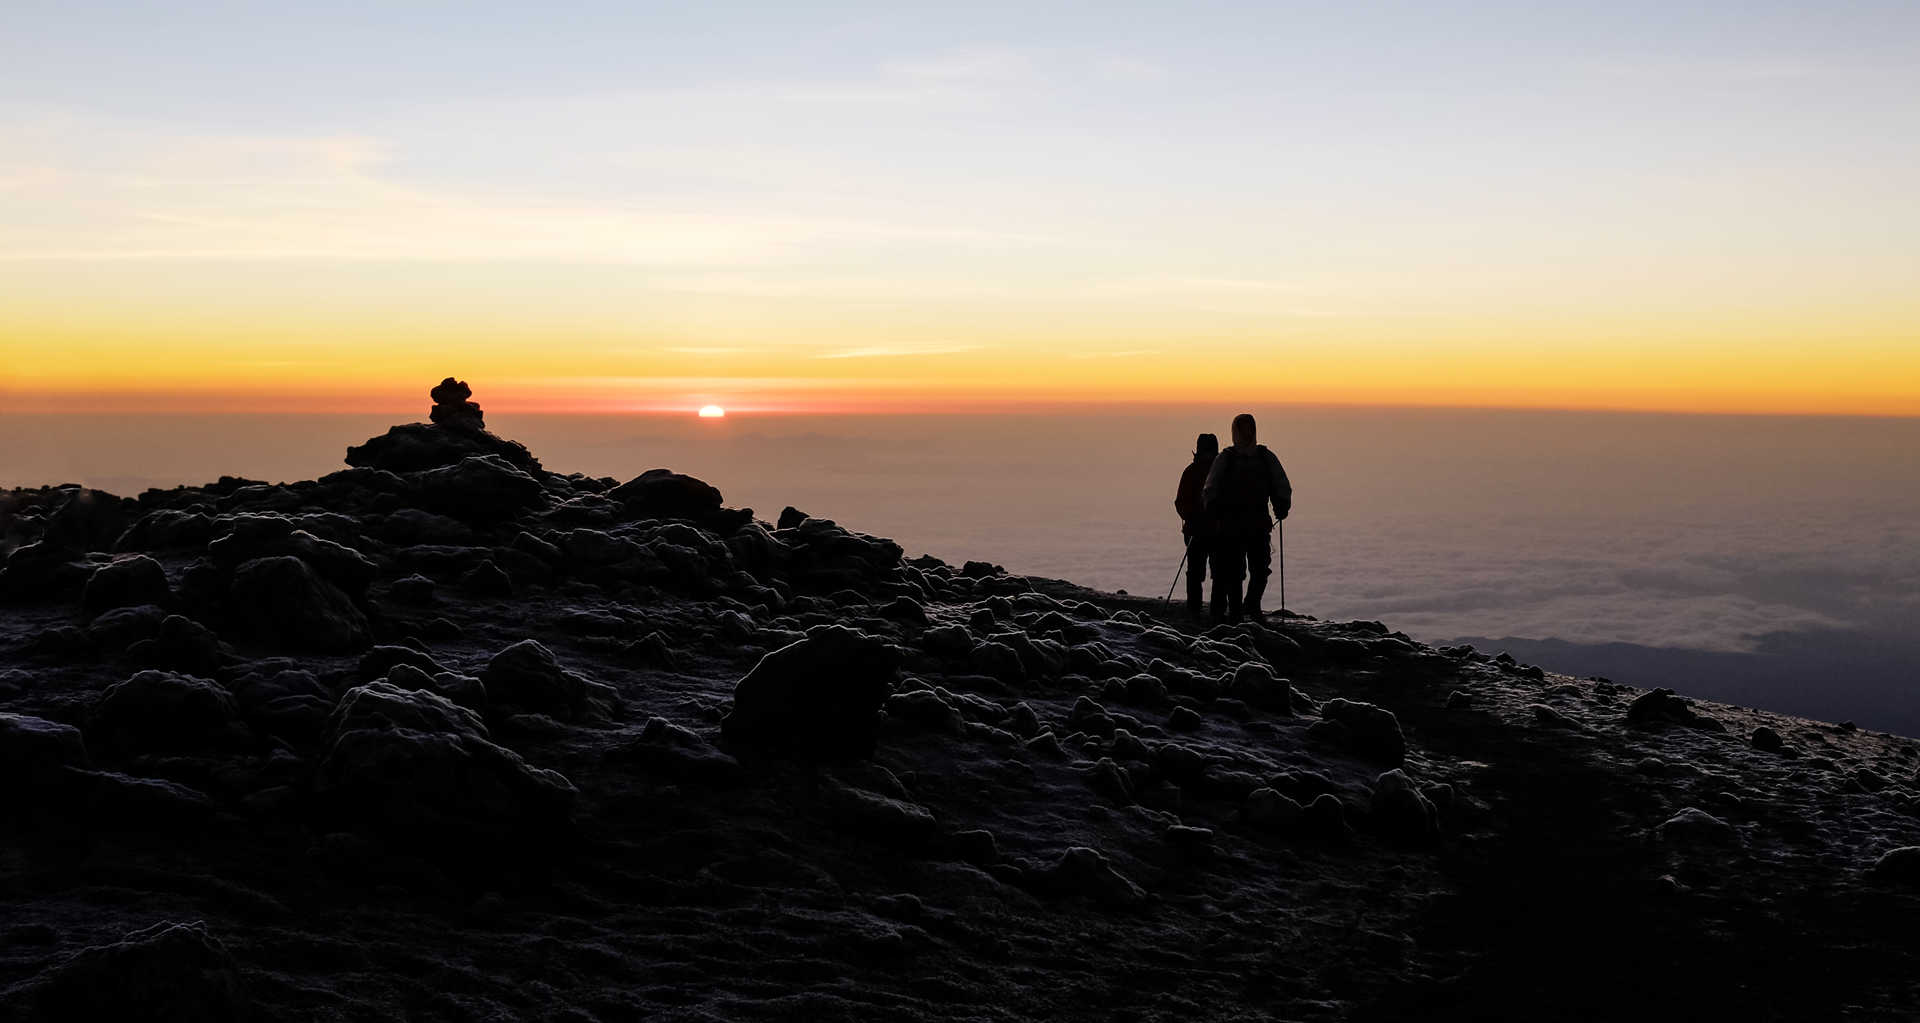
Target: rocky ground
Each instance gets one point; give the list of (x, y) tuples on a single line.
[(447, 735)]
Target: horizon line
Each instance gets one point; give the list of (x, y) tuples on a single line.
[(997, 407)]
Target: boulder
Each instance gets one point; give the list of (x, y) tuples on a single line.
[(283, 700), (284, 602), (165, 712), (816, 698), (249, 537), (451, 407), (480, 487), (1663, 706), (665, 494), (1085, 872), (1269, 810), (1255, 685), (1401, 812), (1372, 732), (1693, 826), (182, 644), (1766, 740), (1901, 865), (167, 529), (375, 663), (528, 676), (166, 973), (34, 752), (122, 627), (44, 571), (416, 769), (126, 581)]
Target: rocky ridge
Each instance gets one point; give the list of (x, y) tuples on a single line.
[(448, 735)]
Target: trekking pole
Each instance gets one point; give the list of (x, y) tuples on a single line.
[(1283, 566), (1183, 567)]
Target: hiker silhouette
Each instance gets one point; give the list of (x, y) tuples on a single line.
[(1242, 482), (1195, 527)]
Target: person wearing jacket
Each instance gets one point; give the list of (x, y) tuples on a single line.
[(1243, 481), (1195, 528)]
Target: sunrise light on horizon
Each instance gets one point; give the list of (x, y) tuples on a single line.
[(874, 209)]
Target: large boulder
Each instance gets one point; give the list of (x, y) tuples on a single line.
[(413, 767), (116, 630), (1664, 706), (665, 494), (284, 602), (182, 644), (34, 751), (126, 581), (1372, 732), (480, 487), (166, 973), (247, 537), (822, 555), (528, 676), (44, 571), (167, 529), (166, 712), (816, 698), (1401, 811)]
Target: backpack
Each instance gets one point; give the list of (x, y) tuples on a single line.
[(1245, 485)]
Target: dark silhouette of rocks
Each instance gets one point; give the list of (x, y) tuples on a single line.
[(282, 600), (167, 973), (456, 432), (161, 711), (454, 735), (818, 697), (414, 768), (124, 581), (451, 408)]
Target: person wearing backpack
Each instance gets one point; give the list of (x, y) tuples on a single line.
[(1195, 526), (1240, 486)]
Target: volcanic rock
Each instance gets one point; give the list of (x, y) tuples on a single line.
[(166, 973), (33, 751), (1901, 865), (817, 698), (285, 603), (413, 767), (1662, 706), (1401, 812), (456, 433), (665, 494), (1083, 871), (1373, 732), (182, 644), (125, 581), (451, 408), (1255, 685), (162, 711), (1693, 826), (527, 675), (480, 487)]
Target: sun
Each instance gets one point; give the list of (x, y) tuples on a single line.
[(712, 412)]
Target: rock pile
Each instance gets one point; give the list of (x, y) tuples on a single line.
[(452, 409), (456, 432)]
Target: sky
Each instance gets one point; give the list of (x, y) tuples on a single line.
[(596, 207)]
